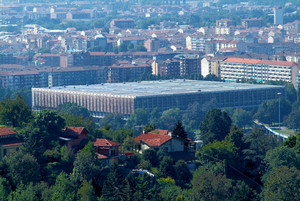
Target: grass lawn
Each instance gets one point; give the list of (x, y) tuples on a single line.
[(286, 132)]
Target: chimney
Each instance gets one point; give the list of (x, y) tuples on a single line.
[(170, 134)]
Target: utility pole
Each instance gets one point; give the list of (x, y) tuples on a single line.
[(279, 93)]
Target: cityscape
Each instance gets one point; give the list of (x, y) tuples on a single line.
[(149, 100)]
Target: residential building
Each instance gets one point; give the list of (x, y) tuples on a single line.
[(169, 67), (233, 69), (127, 72), (75, 138), (122, 23), (211, 65), (252, 22), (8, 141), (189, 64), (278, 16), (106, 150), (160, 140)]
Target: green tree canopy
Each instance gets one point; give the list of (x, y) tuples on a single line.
[(166, 168), (182, 173), (23, 193), (292, 121), (268, 111), (138, 118), (86, 192), (72, 108), (179, 131), (64, 189), (114, 120), (241, 118), (208, 186), (86, 166), (215, 126), (14, 112), (151, 156), (22, 168), (116, 187), (282, 184), (169, 118)]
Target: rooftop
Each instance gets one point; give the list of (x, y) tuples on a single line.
[(158, 88)]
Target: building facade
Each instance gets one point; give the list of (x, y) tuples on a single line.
[(124, 98), (233, 69)]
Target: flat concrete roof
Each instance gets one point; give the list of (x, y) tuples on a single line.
[(163, 87)]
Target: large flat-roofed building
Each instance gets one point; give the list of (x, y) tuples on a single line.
[(124, 98)]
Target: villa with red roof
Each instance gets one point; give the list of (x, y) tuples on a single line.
[(160, 139), (106, 149), (8, 141), (75, 137)]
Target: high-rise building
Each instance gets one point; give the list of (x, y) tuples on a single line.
[(278, 16)]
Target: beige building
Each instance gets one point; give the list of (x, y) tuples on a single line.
[(233, 69), (211, 65)]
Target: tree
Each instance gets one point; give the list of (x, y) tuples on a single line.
[(114, 120), (14, 112), (22, 168), (169, 118), (86, 167), (282, 156), (282, 184), (291, 92), (151, 156), (143, 187), (128, 144), (170, 193), (292, 121), (64, 189), (115, 187), (51, 123), (179, 131), (23, 193), (215, 126), (257, 145), (268, 110), (193, 115), (212, 77), (86, 192), (4, 188), (182, 173), (236, 137), (138, 118), (166, 168), (241, 118), (242, 192), (209, 186), (154, 117), (217, 151), (72, 108)]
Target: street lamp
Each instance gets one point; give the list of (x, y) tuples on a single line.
[(279, 93)]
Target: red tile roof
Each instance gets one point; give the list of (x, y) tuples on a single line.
[(73, 131), (154, 139), (258, 61), (105, 143), (6, 131)]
